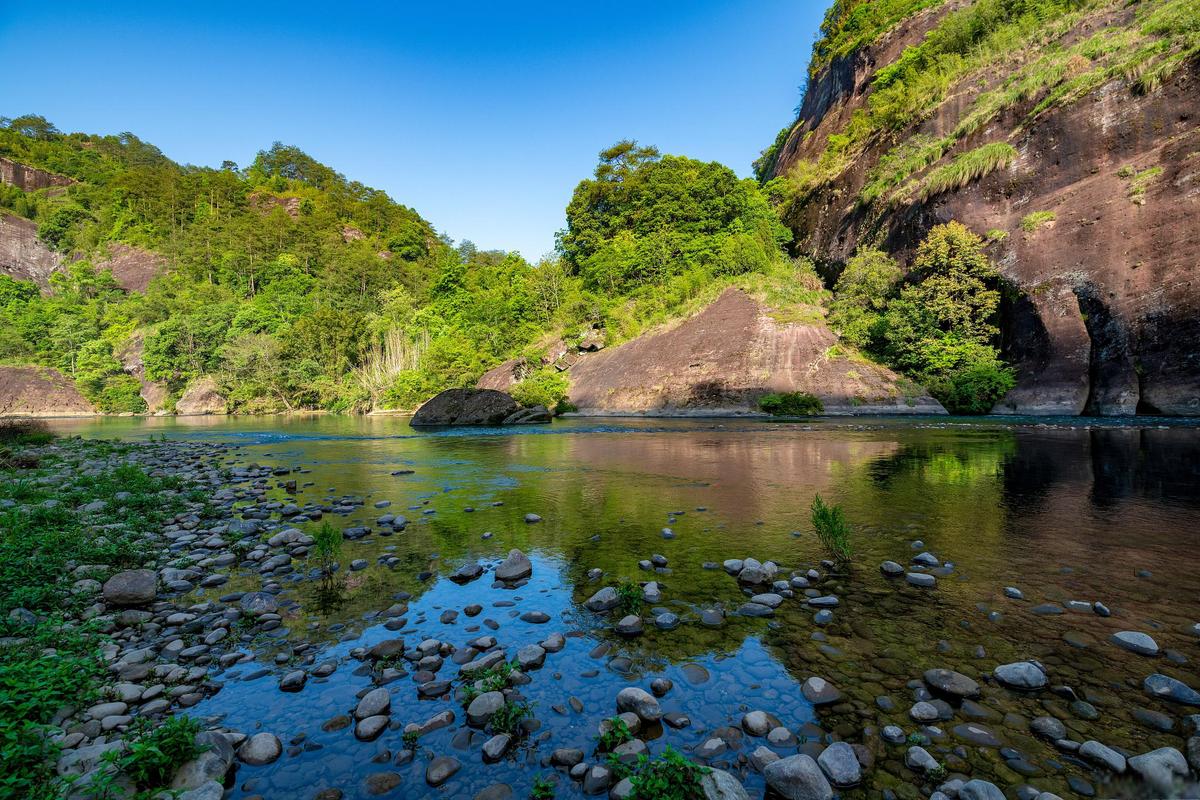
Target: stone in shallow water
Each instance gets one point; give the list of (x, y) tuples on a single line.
[(1021, 675), (1048, 728), (890, 569), (640, 702), (979, 790), (441, 769), (1136, 641), (976, 734), (798, 778), (949, 682), (819, 691), (1160, 768), (1168, 688), (755, 610), (840, 764), (921, 579), (1013, 593), (514, 568), (1103, 754)]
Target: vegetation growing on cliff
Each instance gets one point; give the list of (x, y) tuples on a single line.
[(938, 324)]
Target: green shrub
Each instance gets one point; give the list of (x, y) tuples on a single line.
[(509, 717), (975, 388), (790, 404), (543, 788), (1036, 219), (861, 295), (546, 387), (153, 752), (996, 235), (614, 734), (327, 543), (630, 598), (671, 776), (832, 529)]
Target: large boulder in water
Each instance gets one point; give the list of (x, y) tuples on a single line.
[(466, 407)]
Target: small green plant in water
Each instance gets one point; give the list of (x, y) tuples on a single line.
[(410, 740), (791, 404), (614, 734), (509, 717), (327, 541), (629, 598), (671, 776), (543, 788), (832, 529)]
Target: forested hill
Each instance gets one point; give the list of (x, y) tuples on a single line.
[(283, 285)]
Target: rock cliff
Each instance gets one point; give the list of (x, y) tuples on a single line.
[(23, 257), (725, 357), (1093, 218), (41, 392)]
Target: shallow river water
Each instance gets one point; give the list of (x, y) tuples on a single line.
[(1064, 511)]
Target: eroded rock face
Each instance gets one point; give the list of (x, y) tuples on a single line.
[(1108, 315), (132, 267), (466, 407), (23, 256), (728, 355), (29, 178), (40, 391), (200, 398)]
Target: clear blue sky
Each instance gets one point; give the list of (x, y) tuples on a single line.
[(482, 116)]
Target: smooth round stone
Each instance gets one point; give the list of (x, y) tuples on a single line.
[(758, 723), (382, 782), (921, 579), (441, 769), (819, 691), (840, 765), (1048, 610), (976, 734), (1103, 754), (629, 625), (923, 712), (1048, 728), (892, 734), (259, 749), (951, 683), (666, 621), (891, 569), (1013, 593), (823, 617), (712, 617), (1168, 688), (755, 610), (368, 729), (1021, 675), (1136, 642), (639, 702)]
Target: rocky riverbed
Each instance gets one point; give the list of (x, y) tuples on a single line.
[(474, 639)]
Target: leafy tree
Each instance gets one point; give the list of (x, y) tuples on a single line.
[(861, 297)]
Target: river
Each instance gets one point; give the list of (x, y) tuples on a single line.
[(1064, 510)]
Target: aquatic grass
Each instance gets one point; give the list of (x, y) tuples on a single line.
[(543, 788), (832, 529), (327, 542), (630, 598), (670, 776)]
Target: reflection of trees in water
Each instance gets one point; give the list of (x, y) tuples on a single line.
[(327, 595)]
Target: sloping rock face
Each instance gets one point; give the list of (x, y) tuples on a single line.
[(132, 267), (23, 257), (200, 398), (29, 178), (41, 392), (722, 359), (466, 407), (130, 356), (1108, 320)]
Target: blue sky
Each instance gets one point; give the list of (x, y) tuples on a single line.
[(482, 116)]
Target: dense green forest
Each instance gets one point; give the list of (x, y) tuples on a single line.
[(294, 287)]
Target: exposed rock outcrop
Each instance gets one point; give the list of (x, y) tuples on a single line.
[(1108, 321), (722, 359), (132, 267), (466, 407), (200, 398), (23, 256), (41, 392), (130, 356), (29, 178)]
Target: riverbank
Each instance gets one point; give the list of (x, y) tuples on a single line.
[(465, 645)]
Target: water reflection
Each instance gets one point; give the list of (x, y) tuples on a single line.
[(1065, 513)]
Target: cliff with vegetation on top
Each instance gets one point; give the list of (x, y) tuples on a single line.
[(1064, 132)]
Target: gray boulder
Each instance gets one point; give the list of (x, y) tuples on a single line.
[(840, 764), (798, 778), (465, 407), (135, 587), (1021, 675), (515, 568), (720, 785)]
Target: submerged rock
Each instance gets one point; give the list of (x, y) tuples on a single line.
[(516, 567), (798, 778)]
